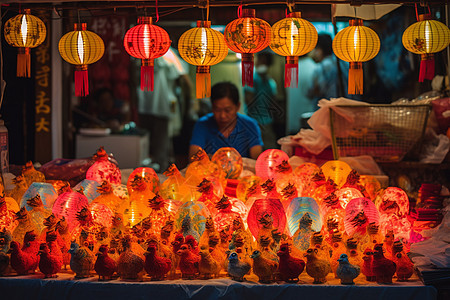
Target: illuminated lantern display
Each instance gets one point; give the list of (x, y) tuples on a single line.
[(266, 214), (303, 175), (268, 161), (101, 214), (337, 171), (426, 37), (345, 195), (174, 187), (161, 212), (293, 37), (89, 188), (248, 186), (371, 186), (103, 169), (191, 218), (19, 189), (247, 35), (24, 31), (7, 217), (108, 198), (44, 190), (149, 175), (210, 194), (81, 47), (356, 44), (11, 203), (300, 206), (68, 205), (146, 42), (38, 213), (31, 175), (202, 47), (229, 160), (139, 199), (225, 215), (358, 214)]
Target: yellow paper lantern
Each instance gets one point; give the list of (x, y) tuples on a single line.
[(425, 38), (202, 47), (356, 44), (24, 31), (80, 48), (247, 35), (337, 171), (293, 37)]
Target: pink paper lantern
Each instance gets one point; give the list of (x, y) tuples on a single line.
[(266, 206), (68, 205), (394, 201), (103, 169), (101, 214), (345, 195), (358, 214), (268, 161)]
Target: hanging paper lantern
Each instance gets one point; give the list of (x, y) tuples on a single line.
[(103, 169), (297, 208), (247, 35), (67, 205), (426, 37), (337, 171), (45, 190), (229, 160), (81, 47), (147, 42), (267, 162), (24, 31), (356, 44), (293, 37), (202, 47), (358, 214)]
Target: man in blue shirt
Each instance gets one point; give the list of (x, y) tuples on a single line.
[(225, 127)]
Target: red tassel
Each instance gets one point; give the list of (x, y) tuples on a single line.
[(23, 62), (203, 82), (355, 79), (247, 69), (81, 81), (147, 75), (291, 72), (426, 67)]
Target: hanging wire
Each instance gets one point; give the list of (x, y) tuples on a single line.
[(157, 13), (239, 10)]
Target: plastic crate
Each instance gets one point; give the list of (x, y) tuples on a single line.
[(385, 132)]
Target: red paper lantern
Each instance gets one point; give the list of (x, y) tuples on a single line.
[(268, 161), (103, 169), (247, 35), (147, 42), (68, 205), (266, 207)]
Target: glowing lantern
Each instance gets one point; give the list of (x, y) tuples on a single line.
[(149, 175), (108, 198), (356, 44), (345, 195), (44, 190), (89, 189), (192, 214), (266, 209), (38, 213), (394, 201), (247, 35), (225, 215), (24, 31), (101, 214), (337, 171), (229, 160), (358, 214), (268, 161), (7, 216), (81, 47), (103, 169), (426, 37), (147, 42), (371, 185), (174, 187), (161, 212), (248, 186), (303, 175), (31, 175), (293, 37), (202, 47), (68, 205), (300, 206)]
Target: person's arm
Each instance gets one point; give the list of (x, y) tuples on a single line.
[(255, 151)]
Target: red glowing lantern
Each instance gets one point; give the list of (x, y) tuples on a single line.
[(229, 160), (394, 201), (266, 208), (268, 161), (101, 214), (358, 214), (247, 35), (68, 205), (149, 175), (103, 169), (147, 42), (345, 195)]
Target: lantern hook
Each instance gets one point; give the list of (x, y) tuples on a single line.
[(202, 3), (290, 4)]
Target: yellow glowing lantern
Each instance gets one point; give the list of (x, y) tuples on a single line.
[(356, 44), (293, 37), (202, 47), (24, 31), (425, 38), (81, 47), (247, 35), (337, 171)]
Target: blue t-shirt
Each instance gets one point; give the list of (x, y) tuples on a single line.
[(245, 135)]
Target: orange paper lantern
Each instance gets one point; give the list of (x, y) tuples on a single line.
[(24, 31), (147, 42), (247, 35), (293, 37), (356, 44), (202, 47), (425, 38), (81, 48)]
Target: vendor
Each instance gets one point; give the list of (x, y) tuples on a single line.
[(225, 127)]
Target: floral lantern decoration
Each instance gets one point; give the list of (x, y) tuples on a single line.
[(426, 37), (268, 161), (24, 31), (103, 169), (345, 195), (81, 47), (356, 44), (247, 35), (293, 37), (45, 190), (266, 215), (146, 42), (229, 160), (300, 206), (68, 205), (191, 218), (359, 213), (202, 47), (148, 175)]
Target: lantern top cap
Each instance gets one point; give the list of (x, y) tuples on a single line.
[(295, 14), (201, 23), (248, 13), (356, 22), (425, 17), (79, 26), (145, 20), (25, 11)]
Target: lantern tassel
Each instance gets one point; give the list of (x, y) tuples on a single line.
[(247, 73), (291, 72), (81, 81), (23, 62), (147, 80), (426, 68), (203, 82), (355, 78)]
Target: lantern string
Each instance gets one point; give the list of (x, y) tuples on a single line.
[(239, 11), (157, 13), (417, 13), (207, 10)]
